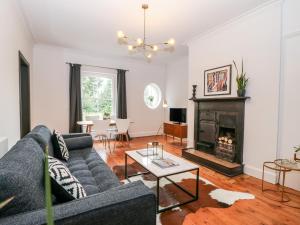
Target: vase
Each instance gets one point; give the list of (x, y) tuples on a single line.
[(241, 92)]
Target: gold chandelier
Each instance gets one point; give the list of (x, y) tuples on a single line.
[(139, 45)]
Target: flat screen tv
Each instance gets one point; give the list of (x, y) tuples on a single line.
[(178, 115)]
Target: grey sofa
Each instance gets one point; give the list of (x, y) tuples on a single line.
[(108, 202)]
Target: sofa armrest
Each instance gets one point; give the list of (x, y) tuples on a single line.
[(79, 142), (74, 135), (130, 204)]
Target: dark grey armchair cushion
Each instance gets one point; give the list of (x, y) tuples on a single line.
[(21, 176)]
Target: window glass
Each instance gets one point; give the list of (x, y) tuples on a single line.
[(152, 96), (97, 94)]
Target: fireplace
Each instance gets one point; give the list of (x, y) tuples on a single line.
[(219, 134)]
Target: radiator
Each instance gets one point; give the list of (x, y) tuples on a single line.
[(3, 146)]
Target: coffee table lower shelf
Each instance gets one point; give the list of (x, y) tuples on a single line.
[(194, 197)]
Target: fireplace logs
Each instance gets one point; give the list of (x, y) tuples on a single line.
[(225, 148)]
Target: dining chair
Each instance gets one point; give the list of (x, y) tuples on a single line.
[(92, 118), (122, 126), (101, 131)]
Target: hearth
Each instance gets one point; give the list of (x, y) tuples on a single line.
[(219, 134)]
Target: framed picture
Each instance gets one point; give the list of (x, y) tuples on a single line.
[(217, 81)]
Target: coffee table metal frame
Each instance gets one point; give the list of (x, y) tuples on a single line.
[(194, 197)]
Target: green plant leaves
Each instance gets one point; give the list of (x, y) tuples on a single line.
[(241, 78), (3, 204)]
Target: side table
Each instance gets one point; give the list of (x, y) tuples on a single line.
[(282, 166)]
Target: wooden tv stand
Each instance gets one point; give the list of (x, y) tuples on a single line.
[(175, 130)]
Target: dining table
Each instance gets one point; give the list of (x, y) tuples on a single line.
[(88, 124)]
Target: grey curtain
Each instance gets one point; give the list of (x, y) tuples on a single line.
[(121, 95), (75, 113)]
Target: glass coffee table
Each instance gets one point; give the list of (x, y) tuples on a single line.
[(158, 172)]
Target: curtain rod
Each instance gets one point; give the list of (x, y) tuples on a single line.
[(104, 67)]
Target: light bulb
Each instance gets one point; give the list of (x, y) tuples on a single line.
[(155, 48), (149, 56), (130, 47), (120, 34), (165, 104), (139, 41), (171, 41)]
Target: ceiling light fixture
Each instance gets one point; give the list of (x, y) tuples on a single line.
[(140, 45)]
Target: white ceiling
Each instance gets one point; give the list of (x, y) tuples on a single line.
[(91, 25)]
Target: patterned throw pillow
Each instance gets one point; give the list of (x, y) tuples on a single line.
[(61, 150), (65, 186)]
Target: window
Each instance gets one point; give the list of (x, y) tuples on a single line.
[(152, 96), (98, 94)]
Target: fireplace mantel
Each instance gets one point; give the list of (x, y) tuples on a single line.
[(219, 99)]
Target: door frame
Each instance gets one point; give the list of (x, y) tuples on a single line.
[(22, 60)]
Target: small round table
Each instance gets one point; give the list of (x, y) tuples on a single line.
[(86, 123), (284, 166)]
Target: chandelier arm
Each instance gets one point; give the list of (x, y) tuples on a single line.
[(159, 43), (140, 45)]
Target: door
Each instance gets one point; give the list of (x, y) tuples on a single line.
[(24, 92)]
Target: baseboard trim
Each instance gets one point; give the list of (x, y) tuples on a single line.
[(270, 176)]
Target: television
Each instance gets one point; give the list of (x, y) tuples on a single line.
[(178, 115)]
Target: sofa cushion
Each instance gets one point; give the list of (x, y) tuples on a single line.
[(42, 135), (65, 186), (91, 171), (22, 177), (60, 148)]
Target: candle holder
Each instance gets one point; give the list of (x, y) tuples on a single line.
[(194, 92), (156, 148)]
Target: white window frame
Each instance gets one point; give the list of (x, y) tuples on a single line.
[(111, 76)]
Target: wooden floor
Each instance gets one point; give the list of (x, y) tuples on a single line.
[(262, 210)]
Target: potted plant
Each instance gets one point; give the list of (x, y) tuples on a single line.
[(241, 80), (151, 98)]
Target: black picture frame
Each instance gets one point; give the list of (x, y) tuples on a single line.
[(219, 90)]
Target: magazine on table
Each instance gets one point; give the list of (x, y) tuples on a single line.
[(165, 163)]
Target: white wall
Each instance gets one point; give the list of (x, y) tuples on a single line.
[(14, 36), (177, 83), (289, 135), (51, 88), (255, 37)]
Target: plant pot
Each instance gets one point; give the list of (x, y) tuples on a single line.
[(241, 93)]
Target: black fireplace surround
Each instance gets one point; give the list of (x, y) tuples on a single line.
[(219, 130)]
